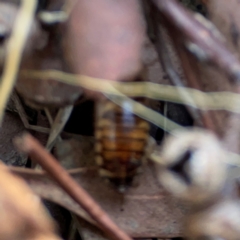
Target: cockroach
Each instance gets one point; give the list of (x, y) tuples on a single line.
[(121, 142)]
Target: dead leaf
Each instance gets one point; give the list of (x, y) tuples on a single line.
[(146, 210)]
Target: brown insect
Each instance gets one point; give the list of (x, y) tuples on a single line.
[(121, 140)]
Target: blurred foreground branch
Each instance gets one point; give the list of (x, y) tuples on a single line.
[(29, 145)]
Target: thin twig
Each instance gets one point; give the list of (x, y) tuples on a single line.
[(29, 145), (156, 35), (36, 128), (191, 73), (198, 35), (165, 113), (23, 116), (15, 48), (58, 124), (73, 229), (224, 100), (144, 112), (49, 115), (231, 137)]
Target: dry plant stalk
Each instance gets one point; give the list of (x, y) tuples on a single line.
[(22, 214), (224, 100), (15, 48), (30, 146), (118, 92)]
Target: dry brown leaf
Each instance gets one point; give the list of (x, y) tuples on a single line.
[(146, 210)]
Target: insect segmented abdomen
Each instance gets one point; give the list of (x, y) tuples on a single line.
[(121, 139)]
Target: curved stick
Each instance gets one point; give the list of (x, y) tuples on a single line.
[(27, 144)]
